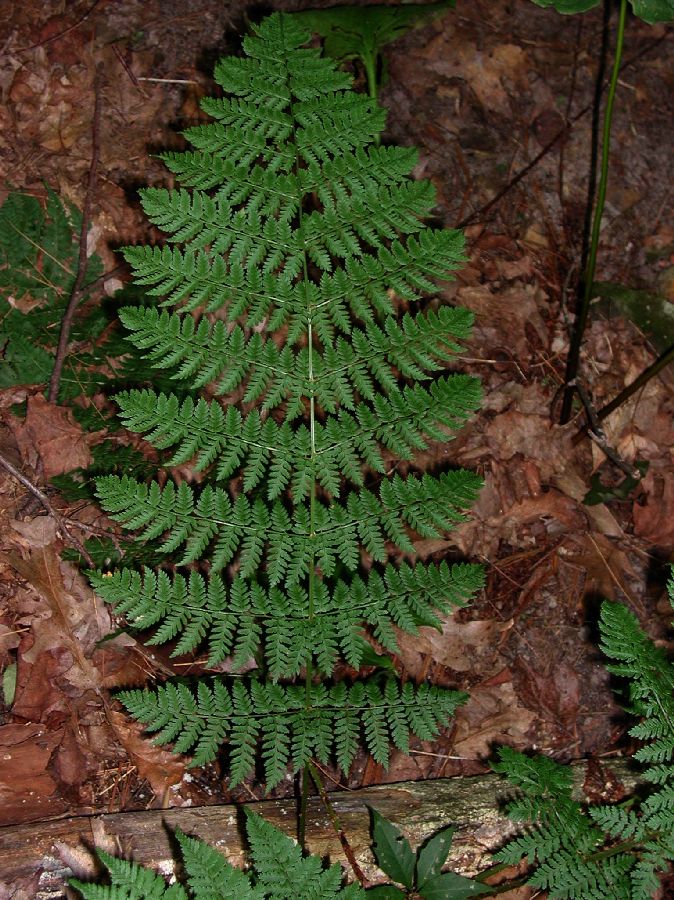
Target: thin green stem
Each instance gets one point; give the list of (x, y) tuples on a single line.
[(370, 63), (581, 318)]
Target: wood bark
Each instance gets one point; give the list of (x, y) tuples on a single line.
[(37, 859)]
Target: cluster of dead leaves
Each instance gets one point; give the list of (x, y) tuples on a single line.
[(67, 748)]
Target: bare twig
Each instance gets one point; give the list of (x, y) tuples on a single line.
[(477, 215), (129, 71), (523, 172), (65, 31), (596, 433), (44, 500), (78, 287), (332, 815), (168, 80), (661, 362)]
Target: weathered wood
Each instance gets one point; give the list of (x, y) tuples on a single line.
[(46, 854)]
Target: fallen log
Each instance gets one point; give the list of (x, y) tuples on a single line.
[(37, 859)]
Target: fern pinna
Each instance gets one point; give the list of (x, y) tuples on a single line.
[(297, 380)]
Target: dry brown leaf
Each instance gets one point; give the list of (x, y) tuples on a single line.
[(38, 532), (159, 767), (488, 73), (574, 487), (608, 570), (654, 518), (9, 640), (461, 646), (53, 663), (512, 314), (492, 715), (552, 693), (27, 791), (51, 435)]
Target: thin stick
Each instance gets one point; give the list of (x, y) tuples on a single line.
[(129, 71), (334, 819), (573, 359), (598, 435), (631, 389), (550, 145), (77, 291), (65, 31), (523, 172), (44, 500)]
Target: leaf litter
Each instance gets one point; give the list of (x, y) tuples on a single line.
[(478, 90)]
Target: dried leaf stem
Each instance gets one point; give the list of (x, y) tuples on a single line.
[(78, 289), (44, 500)]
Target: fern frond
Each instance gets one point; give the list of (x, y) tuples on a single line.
[(567, 876), (292, 241), (608, 851), (246, 711), (279, 872), (284, 873), (210, 875), (428, 505)]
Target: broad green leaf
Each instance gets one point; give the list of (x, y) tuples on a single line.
[(654, 10), (601, 493), (650, 11), (568, 7), (652, 313), (452, 887), (431, 857), (392, 851), (386, 892), (351, 31)]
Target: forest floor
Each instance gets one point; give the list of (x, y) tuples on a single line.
[(485, 92)]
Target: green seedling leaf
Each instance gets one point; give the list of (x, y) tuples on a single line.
[(370, 657), (356, 32), (451, 886), (391, 850), (602, 493), (9, 684), (386, 892), (432, 856)]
